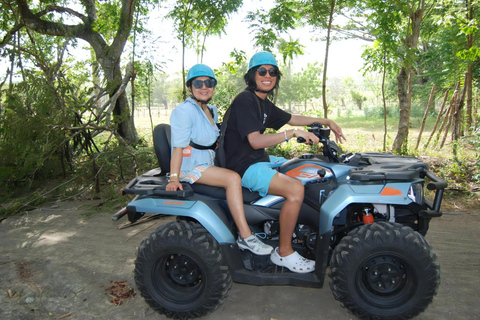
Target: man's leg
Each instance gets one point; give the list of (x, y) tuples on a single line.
[(293, 192)]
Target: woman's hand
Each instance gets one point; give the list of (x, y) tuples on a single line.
[(174, 186)]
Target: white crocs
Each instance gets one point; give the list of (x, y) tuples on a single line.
[(294, 262)]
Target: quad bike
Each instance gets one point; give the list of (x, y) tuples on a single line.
[(364, 218)]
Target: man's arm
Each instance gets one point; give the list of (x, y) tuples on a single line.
[(299, 120)]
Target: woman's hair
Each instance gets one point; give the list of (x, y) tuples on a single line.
[(250, 78)]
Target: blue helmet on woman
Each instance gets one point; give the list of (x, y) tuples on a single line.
[(262, 57), (200, 70), (258, 59)]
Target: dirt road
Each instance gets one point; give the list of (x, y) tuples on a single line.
[(59, 262)]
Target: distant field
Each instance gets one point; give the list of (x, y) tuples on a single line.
[(363, 134)]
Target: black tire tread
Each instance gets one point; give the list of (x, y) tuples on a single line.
[(193, 236), (387, 235)]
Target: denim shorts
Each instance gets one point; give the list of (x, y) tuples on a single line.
[(194, 174), (259, 175)]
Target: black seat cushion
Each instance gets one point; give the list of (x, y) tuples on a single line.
[(220, 193), (162, 143)]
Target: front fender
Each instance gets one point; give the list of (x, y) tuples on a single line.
[(196, 210), (346, 194)]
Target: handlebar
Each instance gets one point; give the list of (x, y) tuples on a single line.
[(330, 148)]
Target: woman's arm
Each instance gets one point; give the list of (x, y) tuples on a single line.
[(175, 164)]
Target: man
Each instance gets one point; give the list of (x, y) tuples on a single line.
[(245, 142)]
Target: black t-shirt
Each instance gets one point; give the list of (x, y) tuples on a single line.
[(244, 119)]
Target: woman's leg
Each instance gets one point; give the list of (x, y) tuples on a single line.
[(293, 192), (231, 181)]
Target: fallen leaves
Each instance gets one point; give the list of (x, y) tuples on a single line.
[(120, 291)]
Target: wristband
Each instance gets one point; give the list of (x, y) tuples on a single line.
[(173, 175), (285, 134)]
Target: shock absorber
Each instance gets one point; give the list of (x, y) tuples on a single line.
[(367, 216)]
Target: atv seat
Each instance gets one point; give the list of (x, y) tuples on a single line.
[(162, 146)]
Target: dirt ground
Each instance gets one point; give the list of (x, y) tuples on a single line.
[(60, 262)]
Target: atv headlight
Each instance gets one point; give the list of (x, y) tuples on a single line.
[(415, 193)]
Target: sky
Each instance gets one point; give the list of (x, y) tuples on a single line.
[(344, 56)]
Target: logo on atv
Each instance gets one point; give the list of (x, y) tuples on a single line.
[(307, 172)]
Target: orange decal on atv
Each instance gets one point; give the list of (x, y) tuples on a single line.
[(174, 203), (303, 172), (387, 191), (187, 152)]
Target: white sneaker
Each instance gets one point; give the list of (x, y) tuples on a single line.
[(254, 244)]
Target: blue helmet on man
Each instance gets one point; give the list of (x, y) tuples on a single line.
[(262, 57)]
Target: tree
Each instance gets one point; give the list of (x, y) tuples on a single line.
[(309, 83), (203, 17), (317, 12), (396, 27), (48, 20), (300, 87)]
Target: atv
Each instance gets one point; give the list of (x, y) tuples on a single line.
[(363, 220)]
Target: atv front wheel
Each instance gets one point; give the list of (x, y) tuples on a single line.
[(384, 271), (181, 272)]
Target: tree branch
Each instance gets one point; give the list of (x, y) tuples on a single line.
[(124, 27)]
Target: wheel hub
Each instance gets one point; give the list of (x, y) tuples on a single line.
[(183, 270), (384, 275)]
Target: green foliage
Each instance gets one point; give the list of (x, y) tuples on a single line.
[(269, 26), (378, 111), (230, 83), (358, 98), (203, 17), (300, 87), (290, 149)]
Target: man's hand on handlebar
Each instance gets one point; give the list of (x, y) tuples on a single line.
[(307, 137), (337, 131)]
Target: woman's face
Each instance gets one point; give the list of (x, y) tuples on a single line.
[(203, 93), (265, 82)]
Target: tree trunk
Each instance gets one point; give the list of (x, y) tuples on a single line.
[(384, 73), (469, 77), (123, 118), (404, 108), (457, 119), (432, 95), (405, 77), (324, 81), (108, 56)]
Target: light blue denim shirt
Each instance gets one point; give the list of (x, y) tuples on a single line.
[(189, 123)]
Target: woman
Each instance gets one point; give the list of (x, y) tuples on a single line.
[(194, 134), (245, 142)]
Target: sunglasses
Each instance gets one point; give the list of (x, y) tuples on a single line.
[(209, 83), (263, 72)]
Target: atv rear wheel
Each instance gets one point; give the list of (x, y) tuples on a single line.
[(181, 272), (384, 271)]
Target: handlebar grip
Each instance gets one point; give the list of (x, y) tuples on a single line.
[(301, 140)]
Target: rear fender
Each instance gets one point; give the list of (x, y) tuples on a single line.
[(196, 210), (346, 194)]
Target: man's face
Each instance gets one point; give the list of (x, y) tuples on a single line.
[(265, 82)]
